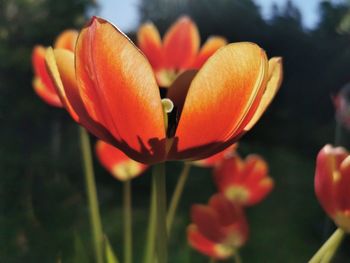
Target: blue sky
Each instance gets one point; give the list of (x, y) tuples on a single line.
[(124, 13)]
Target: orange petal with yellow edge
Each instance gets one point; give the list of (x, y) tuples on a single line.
[(273, 85), (206, 246), (45, 94), (181, 43), (219, 99), (118, 89), (150, 43), (60, 64), (67, 39), (45, 85), (117, 163), (208, 49)]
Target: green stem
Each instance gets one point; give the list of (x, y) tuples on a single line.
[(237, 257), (329, 246), (151, 230), (160, 186), (95, 219), (176, 196), (127, 221)]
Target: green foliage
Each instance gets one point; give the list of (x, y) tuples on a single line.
[(110, 255)]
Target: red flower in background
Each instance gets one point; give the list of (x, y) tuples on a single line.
[(109, 87), (42, 82), (179, 50), (117, 163), (216, 159), (332, 184), (218, 229), (245, 182)]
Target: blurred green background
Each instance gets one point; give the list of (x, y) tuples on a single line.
[(42, 198)]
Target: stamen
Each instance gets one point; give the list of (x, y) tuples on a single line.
[(168, 107)]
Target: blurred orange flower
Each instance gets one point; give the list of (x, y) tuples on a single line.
[(216, 159), (109, 87), (179, 50), (42, 82), (117, 163), (332, 184), (245, 182), (218, 229)]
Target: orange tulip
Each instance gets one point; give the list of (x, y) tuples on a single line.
[(218, 229), (332, 184), (179, 50), (109, 87), (243, 182), (216, 159), (42, 82), (117, 163)]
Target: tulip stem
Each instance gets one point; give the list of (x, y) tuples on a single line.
[(177, 195), (151, 230), (237, 257), (160, 187), (329, 247), (95, 219), (127, 221)]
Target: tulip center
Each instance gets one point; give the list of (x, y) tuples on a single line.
[(237, 193), (166, 77), (126, 170), (223, 250)]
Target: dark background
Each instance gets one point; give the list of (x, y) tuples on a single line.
[(42, 199)]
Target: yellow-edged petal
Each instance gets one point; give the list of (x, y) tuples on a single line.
[(273, 85), (219, 99)]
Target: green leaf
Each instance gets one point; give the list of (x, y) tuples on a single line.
[(111, 257), (80, 254)]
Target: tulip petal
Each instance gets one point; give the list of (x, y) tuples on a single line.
[(60, 64), (47, 95), (219, 99), (118, 88), (327, 173), (225, 174), (181, 44), (255, 169), (228, 212), (208, 222), (67, 40), (150, 43), (216, 159), (45, 87), (206, 246), (259, 191), (117, 163), (273, 85), (342, 186), (208, 49)]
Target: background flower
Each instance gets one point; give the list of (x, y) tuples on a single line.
[(245, 182)]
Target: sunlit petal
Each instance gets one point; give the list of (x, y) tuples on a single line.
[(118, 88), (219, 98), (181, 43)]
